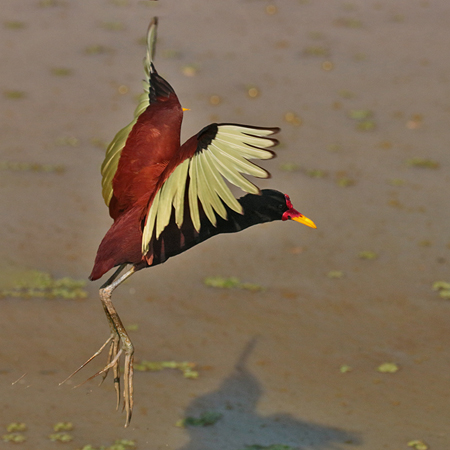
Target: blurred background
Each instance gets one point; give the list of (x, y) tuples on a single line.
[(335, 338)]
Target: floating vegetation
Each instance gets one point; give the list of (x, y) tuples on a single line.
[(120, 2), (364, 119), (231, 283), (60, 437), (114, 25), (359, 56), (96, 49), (397, 182), (187, 368), (388, 367), (348, 22), (61, 71), (292, 118), (189, 70), (367, 254), (290, 167), (334, 148), (14, 437), (119, 444), (360, 114), (366, 125), (443, 287), (148, 3), (34, 283), (270, 447), (14, 95), (69, 141), (316, 173), (16, 426), (418, 445), (345, 182), (100, 143), (316, 50), (168, 53), (31, 167), (345, 93), (206, 419), (49, 3), (345, 368), (14, 24), (63, 426), (335, 274), (423, 163), (317, 35)]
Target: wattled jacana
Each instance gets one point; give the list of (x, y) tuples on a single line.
[(165, 198)]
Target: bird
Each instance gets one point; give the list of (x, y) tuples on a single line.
[(165, 198)]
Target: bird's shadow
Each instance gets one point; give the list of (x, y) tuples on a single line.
[(241, 426)]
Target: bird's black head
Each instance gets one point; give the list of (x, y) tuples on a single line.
[(272, 205)]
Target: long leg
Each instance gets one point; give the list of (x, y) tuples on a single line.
[(118, 335), (125, 341)]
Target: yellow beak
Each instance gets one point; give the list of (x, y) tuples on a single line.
[(305, 221), (186, 109)]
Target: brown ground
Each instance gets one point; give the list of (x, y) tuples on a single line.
[(269, 361)]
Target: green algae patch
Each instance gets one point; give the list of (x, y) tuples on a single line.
[(15, 427), (14, 95), (34, 283), (14, 433), (345, 182), (270, 447), (14, 166), (417, 444), (231, 283), (14, 25), (388, 367), (290, 167), (367, 254), (206, 419), (186, 368), (364, 119), (335, 274), (443, 287), (423, 163), (63, 426), (119, 444), (61, 437), (61, 71), (14, 437)]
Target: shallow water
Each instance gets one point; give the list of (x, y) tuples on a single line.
[(269, 361)]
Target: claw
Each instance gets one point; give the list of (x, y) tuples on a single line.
[(128, 387), (114, 362), (89, 360)]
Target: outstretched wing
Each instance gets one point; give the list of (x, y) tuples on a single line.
[(218, 152)]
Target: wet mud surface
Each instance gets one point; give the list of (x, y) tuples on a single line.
[(360, 90)]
